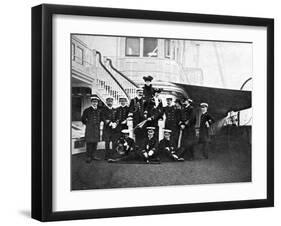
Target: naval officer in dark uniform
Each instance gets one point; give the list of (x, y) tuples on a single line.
[(153, 115), (121, 115), (92, 117), (149, 147), (110, 124), (136, 111), (172, 119), (187, 124), (168, 147), (205, 122), (158, 103)]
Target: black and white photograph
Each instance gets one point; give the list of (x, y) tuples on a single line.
[(142, 112), (156, 111)]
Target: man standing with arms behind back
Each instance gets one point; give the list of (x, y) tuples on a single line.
[(92, 117), (205, 122)]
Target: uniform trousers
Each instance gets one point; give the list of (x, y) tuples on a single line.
[(91, 148)]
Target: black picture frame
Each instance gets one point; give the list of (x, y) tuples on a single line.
[(42, 107)]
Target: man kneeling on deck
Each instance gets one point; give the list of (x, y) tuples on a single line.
[(168, 147), (149, 148)]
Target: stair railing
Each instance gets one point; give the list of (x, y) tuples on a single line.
[(107, 81), (121, 74), (129, 86)]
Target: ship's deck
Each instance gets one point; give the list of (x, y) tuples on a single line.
[(229, 161)]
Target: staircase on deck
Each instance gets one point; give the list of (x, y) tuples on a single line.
[(110, 82), (105, 81)]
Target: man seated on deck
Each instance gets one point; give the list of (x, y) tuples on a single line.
[(149, 148), (168, 146), (125, 148)]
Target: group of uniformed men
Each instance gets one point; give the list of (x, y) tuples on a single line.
[(145, 110)]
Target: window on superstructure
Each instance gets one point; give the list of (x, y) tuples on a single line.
[(150, 47), (132, 47), (76, 108), (79, 55), (167, 48)]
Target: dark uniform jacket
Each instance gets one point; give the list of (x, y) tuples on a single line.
[(204, 130), (188, 119), (91, 118), (173, 116), (150, 144), (137, 109), (109, 116), (121, 115), (164, 143)]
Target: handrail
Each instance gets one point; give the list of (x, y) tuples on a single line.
[(241, 88), (180, 67), (124, 76), (103, 66)]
